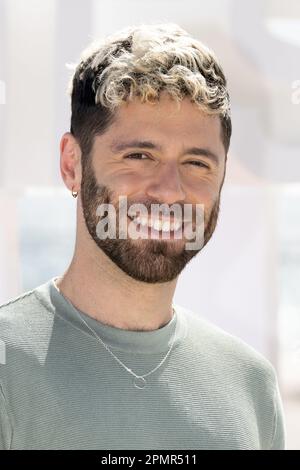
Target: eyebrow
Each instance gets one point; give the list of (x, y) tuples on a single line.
[(119, 146)]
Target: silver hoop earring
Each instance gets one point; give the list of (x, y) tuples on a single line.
[(74, 193)]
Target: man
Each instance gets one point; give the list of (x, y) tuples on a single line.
[(100, 357)]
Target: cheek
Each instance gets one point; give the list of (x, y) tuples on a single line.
[(126, 184), (203, 190)]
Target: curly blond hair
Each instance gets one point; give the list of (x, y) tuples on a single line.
[(143, 61)]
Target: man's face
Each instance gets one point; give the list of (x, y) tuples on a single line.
[(165, 174)]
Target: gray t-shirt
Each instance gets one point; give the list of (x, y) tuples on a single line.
[(61, 389)]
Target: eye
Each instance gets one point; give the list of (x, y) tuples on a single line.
[(199, 164), (135, 156)]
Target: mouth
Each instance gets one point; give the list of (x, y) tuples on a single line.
[(158, 224), (159, 227)]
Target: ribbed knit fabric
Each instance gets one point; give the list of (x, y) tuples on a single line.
[(61, 389)]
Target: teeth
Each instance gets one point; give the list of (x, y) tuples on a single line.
[(176, 226), (157, 224), (166, 226), (153, 223)]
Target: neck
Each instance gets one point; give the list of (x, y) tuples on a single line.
[(97, 287)]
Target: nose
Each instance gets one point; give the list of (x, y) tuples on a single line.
[(166, 186)]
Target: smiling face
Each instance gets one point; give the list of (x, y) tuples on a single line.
[(154, 153)]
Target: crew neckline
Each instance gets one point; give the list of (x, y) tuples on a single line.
[(147, 342)]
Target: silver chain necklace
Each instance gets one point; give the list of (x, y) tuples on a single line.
[(139, 380)]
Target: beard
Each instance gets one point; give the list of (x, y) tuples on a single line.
[(145, 260)]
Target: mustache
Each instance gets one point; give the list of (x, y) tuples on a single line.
[(96, 193)]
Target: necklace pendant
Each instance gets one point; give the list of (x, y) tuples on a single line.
[(139, 382)]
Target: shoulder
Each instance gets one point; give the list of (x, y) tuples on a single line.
[(238, 375), (15, 311), (227, 351), (13, 304), (22, 319)]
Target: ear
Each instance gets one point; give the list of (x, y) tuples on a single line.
[(70, 161)]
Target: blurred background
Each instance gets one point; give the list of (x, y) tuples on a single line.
[(247, 279)]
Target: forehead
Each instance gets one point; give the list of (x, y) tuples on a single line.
[(167, 121)]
